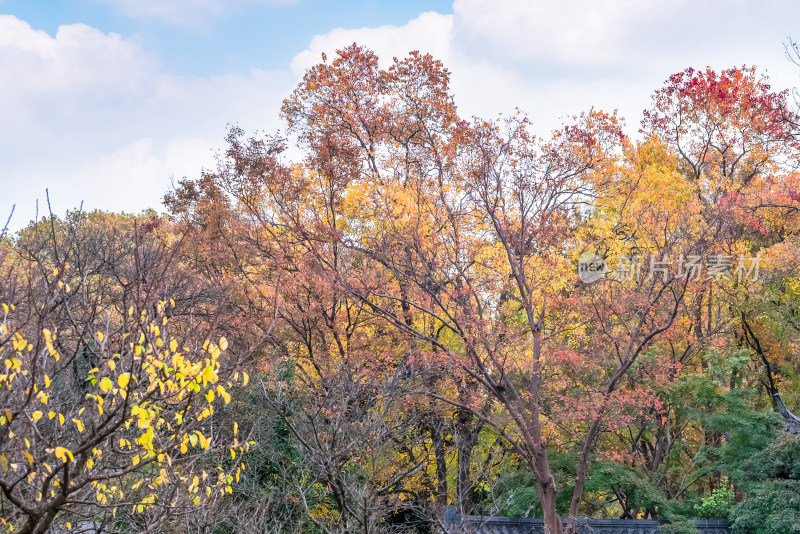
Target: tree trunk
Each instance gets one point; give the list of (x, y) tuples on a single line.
[(441, 460), (580, 478), (464, 485), (547, 493), (467, 434), (541, 467)]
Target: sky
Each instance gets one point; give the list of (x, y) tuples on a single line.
[(106, 102)]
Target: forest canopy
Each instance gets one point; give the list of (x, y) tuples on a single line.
[(421, 312)]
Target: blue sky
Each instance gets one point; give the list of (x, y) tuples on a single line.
[(105, 101), (264, 35)]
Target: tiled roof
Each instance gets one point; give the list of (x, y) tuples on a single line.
[(471, 524)]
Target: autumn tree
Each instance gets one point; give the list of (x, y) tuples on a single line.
[(109, 384), (412, 241), (726, 148)]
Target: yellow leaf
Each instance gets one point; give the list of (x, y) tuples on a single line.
[(123, 380), (36, 415), (173, 345), (100, 337), (105, 384), (63, 453), (208, 373), (223, 343)]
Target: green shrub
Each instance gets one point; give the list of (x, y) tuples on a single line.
[(717, 505)]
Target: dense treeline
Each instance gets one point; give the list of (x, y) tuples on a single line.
[(424, 312)]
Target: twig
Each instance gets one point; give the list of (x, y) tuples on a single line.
[(8, 221)]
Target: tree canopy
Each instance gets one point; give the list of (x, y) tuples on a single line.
[(435, 311)]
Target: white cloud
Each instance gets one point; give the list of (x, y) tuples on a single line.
[(478, 84), (61, 65), (552, 31), (96, 118), (93, 116), (182, 12), (430, 32), (138, 174), (130, 179), (553, 58), (624, 38)]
